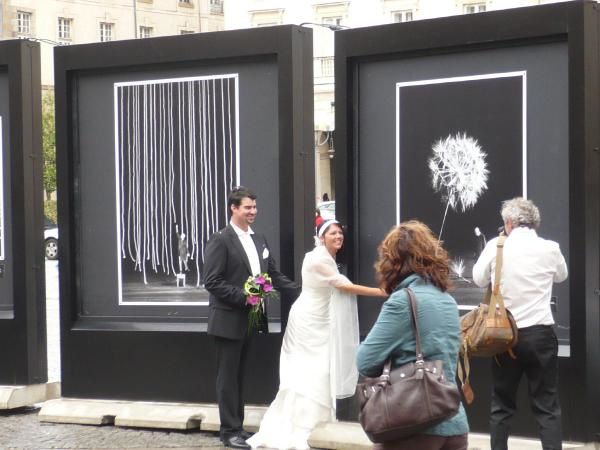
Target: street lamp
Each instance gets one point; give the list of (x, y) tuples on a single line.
[(331, 26)]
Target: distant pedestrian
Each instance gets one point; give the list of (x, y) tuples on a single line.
[(318, 218), (531, 264), (325, 197)]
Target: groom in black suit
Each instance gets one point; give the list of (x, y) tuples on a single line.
[(231, 256)]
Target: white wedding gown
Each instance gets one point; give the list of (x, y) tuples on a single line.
[(317, 357)]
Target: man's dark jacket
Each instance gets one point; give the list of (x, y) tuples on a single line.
[(226, 269)]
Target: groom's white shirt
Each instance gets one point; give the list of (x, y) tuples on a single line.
[(245, 238)]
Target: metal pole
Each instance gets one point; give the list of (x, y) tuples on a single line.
[(135, 30)]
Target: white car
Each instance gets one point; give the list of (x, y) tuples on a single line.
[(327, 209), (50, 240)]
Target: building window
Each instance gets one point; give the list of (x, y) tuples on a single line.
[(145, 32), (23, 22), (186, 2), (216, 6), (402, 16), (334, 20), (473, 8), (186, 32), (64, 28), (106, 31)]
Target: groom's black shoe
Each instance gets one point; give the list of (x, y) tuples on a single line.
[(236, 441), (245, 434)]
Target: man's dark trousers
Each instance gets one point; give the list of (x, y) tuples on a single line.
[(231, 365), (537, 358)]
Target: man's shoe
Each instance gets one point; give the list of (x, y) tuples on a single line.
[(246, 434), (235, 442)]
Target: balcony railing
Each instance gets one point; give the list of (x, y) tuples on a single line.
[(324, 66)]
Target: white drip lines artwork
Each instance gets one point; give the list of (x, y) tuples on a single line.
[(177, 158)]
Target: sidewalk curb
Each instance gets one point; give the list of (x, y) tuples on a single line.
[(12, 397), (184, 416)]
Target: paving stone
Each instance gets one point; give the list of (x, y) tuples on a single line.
[(21, 430)]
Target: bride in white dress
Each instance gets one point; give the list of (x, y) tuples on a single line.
[(317, 362)]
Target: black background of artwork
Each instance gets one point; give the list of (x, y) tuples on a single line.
[(489, 111), (22, 286), (563, 145), (104, 347), (98, 249), (547, 139), (133, 287)]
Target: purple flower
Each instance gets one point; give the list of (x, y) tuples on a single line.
[(260, 280), (267, 287), (252, 300)]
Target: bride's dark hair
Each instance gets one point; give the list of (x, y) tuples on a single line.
[(325, 226)]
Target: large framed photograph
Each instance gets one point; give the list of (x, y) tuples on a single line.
[(461, 149), (177, 158)]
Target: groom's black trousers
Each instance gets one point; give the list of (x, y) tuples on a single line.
[(231, 366)]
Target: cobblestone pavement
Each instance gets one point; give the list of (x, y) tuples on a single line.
[(21, 430)]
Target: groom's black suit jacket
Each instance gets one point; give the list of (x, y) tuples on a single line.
[(226, 269)]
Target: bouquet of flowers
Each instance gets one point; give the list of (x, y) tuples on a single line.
[(257, 289)]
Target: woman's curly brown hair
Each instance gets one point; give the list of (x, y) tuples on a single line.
[(410, 248)]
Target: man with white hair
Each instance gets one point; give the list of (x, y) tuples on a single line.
[(530, 266)]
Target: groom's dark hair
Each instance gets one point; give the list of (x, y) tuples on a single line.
[(237, 194)]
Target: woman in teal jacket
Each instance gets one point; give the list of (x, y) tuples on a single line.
[(411, 256)]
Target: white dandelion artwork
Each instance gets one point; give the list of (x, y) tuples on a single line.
[(458, 172), (177, 157)]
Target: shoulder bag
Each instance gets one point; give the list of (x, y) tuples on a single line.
[(487, 330), (408, 399)]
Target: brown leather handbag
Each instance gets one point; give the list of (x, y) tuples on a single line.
[(487, 330), (408, 399)]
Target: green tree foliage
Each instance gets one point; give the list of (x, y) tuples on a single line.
[(49, 143)]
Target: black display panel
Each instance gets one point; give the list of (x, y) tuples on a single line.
[(151, 136), (6, 260), (403, 90), (22, 279)]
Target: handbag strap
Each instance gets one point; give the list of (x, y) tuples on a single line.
[(496, 297), (412, 305)]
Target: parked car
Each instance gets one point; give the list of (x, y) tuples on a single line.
[(50, 239), (327, 209)]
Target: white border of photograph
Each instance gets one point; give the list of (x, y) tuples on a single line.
[(235, 76), (400, 85)]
